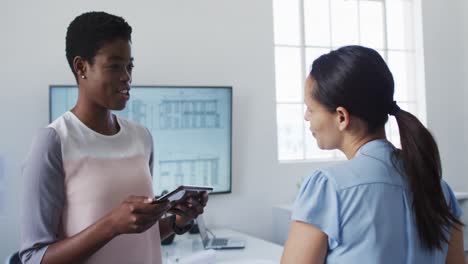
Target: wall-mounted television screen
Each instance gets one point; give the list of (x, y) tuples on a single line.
[(191, 128)]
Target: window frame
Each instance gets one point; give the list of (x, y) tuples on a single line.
[(416, 51)]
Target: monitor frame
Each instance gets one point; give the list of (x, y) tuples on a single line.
[(230, 88)]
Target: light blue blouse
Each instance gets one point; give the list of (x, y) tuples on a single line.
[(364, 206)]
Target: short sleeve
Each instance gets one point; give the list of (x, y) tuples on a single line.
[(451, 200), (317, 204), (43, 196)]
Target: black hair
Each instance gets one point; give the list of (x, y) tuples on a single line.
[(88, 32), (358, 79)]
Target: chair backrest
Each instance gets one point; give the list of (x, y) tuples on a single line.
[(13, 259)]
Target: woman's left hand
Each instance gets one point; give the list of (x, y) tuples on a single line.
[(189, 207)]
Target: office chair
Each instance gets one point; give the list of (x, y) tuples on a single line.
[(13, 259)]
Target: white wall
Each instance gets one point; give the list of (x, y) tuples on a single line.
[(464, 34), (204, 42), (443, 24)]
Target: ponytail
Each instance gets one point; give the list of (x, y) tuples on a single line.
[(422, 166)]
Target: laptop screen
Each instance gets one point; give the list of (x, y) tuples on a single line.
[(202, 229)]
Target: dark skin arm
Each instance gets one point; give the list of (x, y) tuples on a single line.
[(186, 209), (135, 215)]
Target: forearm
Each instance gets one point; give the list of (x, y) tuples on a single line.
[(80, 246), (455, 253)]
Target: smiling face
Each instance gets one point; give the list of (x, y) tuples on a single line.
[(323, 124), (107, 80)]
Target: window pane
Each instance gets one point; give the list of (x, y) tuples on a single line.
[(290, 131), (286, 22), (288, 74), (409, 107), (400, 24), (311, 55), (382, 54), (391, 129), (384, 25), (371, 24), (317, 22), (402, 66), (344, 23)]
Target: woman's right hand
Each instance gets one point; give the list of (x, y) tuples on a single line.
[(136, 214)]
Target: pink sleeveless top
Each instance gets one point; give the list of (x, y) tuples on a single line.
[(100, 172)]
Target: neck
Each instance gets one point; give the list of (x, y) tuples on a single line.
[(352, 144), (96, 118)]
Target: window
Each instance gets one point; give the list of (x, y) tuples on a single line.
[(306, 29)]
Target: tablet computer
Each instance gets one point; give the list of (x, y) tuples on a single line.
[(179, 192)]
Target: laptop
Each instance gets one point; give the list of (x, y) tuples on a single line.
[(217, 243)]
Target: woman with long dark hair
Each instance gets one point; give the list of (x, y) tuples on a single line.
[(382, 205)]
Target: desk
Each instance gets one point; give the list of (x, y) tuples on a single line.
[(256, 250)]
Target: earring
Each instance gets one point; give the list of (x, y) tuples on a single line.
[(83, 77)]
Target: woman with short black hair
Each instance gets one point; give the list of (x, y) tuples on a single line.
[(88, 194)]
